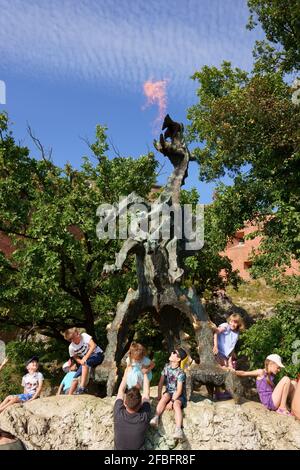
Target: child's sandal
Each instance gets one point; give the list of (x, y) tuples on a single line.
[(283, 412)]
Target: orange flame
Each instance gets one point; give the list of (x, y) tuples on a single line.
[(156, 93)]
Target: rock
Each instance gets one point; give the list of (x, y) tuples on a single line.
[(86, 422)]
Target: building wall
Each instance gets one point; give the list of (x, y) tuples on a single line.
[(239, 251)]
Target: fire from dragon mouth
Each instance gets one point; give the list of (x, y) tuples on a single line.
[(156, 94)]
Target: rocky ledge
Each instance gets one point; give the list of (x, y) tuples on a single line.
[(86, 422)]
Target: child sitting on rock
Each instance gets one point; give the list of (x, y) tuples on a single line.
[(32, 383), (272, 397), (174, 397), (140, 365), (86, 353), (226, 336), (70, 368)]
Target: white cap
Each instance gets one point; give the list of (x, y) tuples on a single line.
[(275, 358), (66, 366)]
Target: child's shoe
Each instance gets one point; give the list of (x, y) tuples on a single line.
[(154, 421), (284, 412), (178, 434)]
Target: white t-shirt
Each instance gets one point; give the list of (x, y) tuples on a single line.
[(227, 340), (31, 382), (82, 348)]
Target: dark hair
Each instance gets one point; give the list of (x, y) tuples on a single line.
[(133, 398), (6, 434)]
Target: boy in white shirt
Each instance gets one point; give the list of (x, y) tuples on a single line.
[(32, 383), (86, 353)]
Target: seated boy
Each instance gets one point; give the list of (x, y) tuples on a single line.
[(175, 395), (32, 383), (86, 353)]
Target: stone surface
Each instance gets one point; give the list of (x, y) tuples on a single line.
[(86, 422)]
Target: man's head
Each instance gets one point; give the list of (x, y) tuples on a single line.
[(133, 400), (32, 364)]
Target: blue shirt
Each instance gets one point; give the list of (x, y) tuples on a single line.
[(227, 340), (67, 380)]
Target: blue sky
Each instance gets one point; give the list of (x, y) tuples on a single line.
[(71, 64)]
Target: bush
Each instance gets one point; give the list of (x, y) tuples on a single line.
[(279, 334), (51, 353), (10, 383)]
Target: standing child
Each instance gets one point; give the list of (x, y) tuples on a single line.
[(140, 365), (86, 353), (175, 395), (70, 367), (225, 339), (32, 383), (272, 397)]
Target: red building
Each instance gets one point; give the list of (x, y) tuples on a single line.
[(239, 251)]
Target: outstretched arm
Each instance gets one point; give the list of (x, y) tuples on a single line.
[(215, 348), (37, 393), (160, 386), (122, 387), (146, 389), (92, 347), (250, 373)]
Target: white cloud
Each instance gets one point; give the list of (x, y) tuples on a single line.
[(122, 43)]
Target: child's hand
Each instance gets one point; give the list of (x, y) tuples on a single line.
[(215, 350), (169, 406), (144, 370)]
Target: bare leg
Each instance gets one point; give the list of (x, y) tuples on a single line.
[(292, 391), (178, 413), (84, 376), (296, 402), (162, 404), (6, 400), (73, 387), (281, 392), (10, 402)]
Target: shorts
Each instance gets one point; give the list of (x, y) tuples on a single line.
[(269, 404), (92, 361), (24, 396), (182, 399)]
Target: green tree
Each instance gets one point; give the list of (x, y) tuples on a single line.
[(279, 334), (280, 20), (248, 128), (53, 278)]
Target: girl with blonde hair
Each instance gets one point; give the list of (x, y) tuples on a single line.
[(273, 397), (138, 364)]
